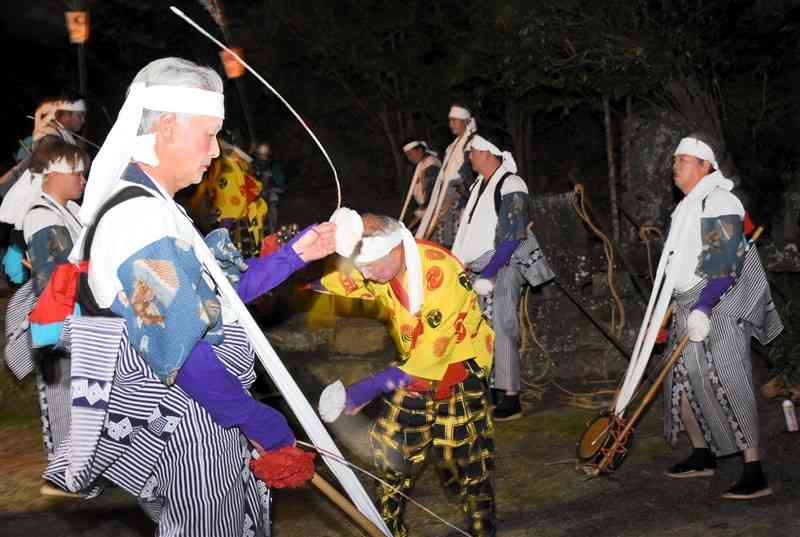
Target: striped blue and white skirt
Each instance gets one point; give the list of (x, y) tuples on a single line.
[(715, 375), (191, 476)]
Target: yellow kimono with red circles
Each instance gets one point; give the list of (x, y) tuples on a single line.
[(449, 327), (235, 193)]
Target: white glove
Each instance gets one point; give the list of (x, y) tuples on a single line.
[(698, 326), (483, 286), (332, 401), (349, 229)]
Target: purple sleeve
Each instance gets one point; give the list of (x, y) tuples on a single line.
[(268, 272), (222, 395), (265, 273), (367, 389), (711, 293), (501, 256)]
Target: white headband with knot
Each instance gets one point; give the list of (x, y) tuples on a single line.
[(375, 248), (61, 165), (416, 143), (479, 143), (122, 143), (72, 106), (697, 148), (459, 112)]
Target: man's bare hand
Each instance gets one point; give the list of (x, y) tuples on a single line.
[(317, 242)]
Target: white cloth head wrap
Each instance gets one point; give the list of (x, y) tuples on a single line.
[(62, 166), (72, 106), (479, 143), (459, 112), (697, 148), (122, 143), (416, 143), (419, 143), (375, 248)]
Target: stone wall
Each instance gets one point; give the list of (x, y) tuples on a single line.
[(576, 346)]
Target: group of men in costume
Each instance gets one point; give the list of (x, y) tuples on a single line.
[(160, 364), (486, 223)]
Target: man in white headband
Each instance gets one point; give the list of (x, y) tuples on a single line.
[(720, 299), (49, 226), (19, 194), (436, 392), (493, 228), (160, 361), (426, 168), (59, 117), (440, 219), (54, 117)]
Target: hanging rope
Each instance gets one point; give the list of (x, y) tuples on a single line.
[(578, 201), (644, 236), (536, 387)]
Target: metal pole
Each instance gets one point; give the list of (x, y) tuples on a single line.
[(82, 69)]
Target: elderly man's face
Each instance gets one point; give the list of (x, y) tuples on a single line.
[(384, 269), (687, 171), (457, 126), (195, 146)]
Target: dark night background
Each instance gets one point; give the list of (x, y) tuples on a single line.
[(367, 74), (551, 79)]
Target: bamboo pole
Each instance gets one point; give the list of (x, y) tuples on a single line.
[(344, 504), (651, 393)]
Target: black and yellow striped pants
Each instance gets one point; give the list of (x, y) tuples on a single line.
[(461, 432)]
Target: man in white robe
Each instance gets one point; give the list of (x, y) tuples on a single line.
[(441, 217)]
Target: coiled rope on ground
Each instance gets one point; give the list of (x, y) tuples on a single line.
[(536, 386)]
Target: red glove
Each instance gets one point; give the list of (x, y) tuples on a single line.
[(663, 335), (269, 245), (288, 467)]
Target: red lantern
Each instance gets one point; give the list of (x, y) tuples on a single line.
[(233, 69), (77, 25)]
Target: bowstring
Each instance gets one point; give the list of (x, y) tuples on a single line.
[(326, 453), (252, 71)]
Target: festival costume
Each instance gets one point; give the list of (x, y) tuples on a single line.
[(423, 179), (49, 232), (715, 375), (44, 125), (135, 423), (440, 220), (444, 351), (237, 202), (494, 242)]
